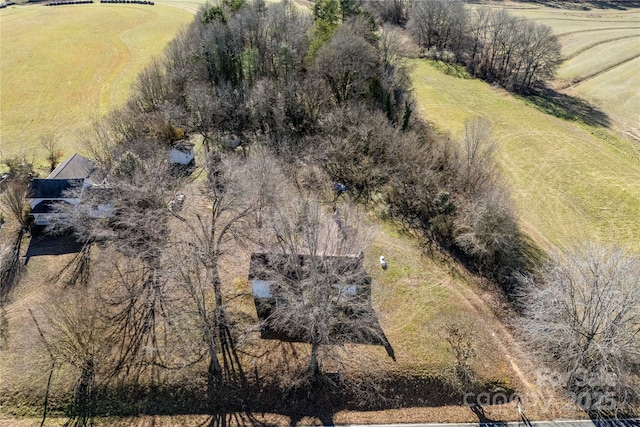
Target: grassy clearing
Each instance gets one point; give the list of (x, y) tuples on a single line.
[(64, 66), (416, 297), (570, 182), (598, 45)]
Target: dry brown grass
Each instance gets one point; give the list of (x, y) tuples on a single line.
[(415, 299)]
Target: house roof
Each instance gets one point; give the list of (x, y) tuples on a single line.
[(52, 188), (290, 267), (78, 167), (268, 273), (47, 206)]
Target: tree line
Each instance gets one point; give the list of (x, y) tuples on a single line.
[(492, 44)]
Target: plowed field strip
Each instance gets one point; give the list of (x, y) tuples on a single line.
[(586, 48), (599, 72)]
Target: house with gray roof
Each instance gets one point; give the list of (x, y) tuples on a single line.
[(279, 280), (66, 184)]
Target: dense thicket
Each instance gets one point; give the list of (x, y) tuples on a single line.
[(330, 91)]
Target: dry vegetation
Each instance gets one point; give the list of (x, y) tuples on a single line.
[(415, 298), (158, 318), (155, 282), (570, 182)]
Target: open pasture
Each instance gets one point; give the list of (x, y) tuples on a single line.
[(570, 182), (601, 48), (64, 66)]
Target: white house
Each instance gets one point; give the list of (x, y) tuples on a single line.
[(66, 184), (46, 194)]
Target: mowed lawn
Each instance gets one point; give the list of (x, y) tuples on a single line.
[(570, 182), (601, 48), (64, 66)]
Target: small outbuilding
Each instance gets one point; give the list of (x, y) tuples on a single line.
[(182, 153)]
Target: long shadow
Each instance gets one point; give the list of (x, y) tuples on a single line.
[(42, 244), (233, 402), (568, 107), (483, 419), (319, 399), (524, 257), (10, 273), (10, 268)]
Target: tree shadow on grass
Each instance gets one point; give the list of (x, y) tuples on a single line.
[(453, 70), (568, 107), (318, 399), (10, 268)]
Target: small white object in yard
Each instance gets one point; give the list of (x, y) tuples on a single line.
[(176, 203), (519, 405), (383, 262)]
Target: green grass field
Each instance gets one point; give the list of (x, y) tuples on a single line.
[(570, 182), (64, 66), (601, 48)]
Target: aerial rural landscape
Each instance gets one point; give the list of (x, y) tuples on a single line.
[(248, 212)]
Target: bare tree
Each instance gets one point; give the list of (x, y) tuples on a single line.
[(392, 11), (347, 63), (583, 317), (439, 24), (14, 199), (486, 229), (238, 190), (50, 144), (130, 219), (74, 337), (314, 268), (20, 169), (462, 346), (494, 45), (478, 166)]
